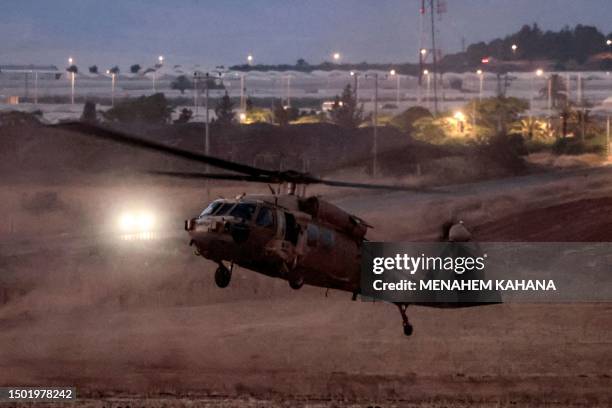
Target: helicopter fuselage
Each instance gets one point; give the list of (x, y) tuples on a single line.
[(281, 236)]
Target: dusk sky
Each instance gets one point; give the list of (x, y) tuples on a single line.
[(274, 31)]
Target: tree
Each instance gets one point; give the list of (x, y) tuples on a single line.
[(225, 111), (89, 112), (181, 83), (93, 69), (531, 129), (114, 70), (146, 109), (134, 69), (345, 111), (185, 116), (405, 120), (73, 69)]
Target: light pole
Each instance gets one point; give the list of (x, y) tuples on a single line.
[(112, 74), (160, 60), (288, 100), (538, 73), (375, 123), (481, 83), (428, 81), (355, 76), (397, 91), (195, 92), (72, 80)]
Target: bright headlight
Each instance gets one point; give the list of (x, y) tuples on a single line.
[(127, 222), (146, 221)]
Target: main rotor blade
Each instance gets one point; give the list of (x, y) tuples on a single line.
[(305, 180), (120, 137), (388, 187), (214, 176)]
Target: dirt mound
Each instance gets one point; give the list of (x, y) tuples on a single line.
[(577, 221)]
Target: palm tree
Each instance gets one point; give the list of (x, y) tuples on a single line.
[(532, 129)]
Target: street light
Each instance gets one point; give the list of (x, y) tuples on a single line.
[(112, 74), (160, 60), (397, 92), (481, 83), (426, 73), (608, 42), (514, 48), (423, 52), (355, 76), (250, 59), (375, 123), (336, 57), (72, 79)]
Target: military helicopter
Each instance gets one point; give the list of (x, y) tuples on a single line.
[(283, 236)]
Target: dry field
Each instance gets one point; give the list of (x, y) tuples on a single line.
[(126, 322)]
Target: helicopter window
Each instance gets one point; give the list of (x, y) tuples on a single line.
[(224, 208), (244, 211), (212, 207), (326, 238), (265, 217), (312, 235)]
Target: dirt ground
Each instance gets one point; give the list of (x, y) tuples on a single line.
[(126, 322)]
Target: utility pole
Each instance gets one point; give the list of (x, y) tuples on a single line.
[(242, 100), (435, 58), (206, 127), (375, 125)]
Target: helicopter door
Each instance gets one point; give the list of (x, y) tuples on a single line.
[(292, 230)]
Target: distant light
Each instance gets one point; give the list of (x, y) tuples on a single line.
[(423, 51), (485, 60), (352, 73), (609, 42), (426, 72), (336, 56), (514, 47), (70, 60), (250, 58), (242, 117), (161, 59), (392, 72), (539, 72), (479, 72), (459, 116), (107, 71)]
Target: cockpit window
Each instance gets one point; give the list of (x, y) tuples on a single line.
[(224, 209), (244, 211), (212, 207), (265, 217)]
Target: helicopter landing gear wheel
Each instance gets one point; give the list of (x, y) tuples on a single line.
[(223, 276), (408, 329), (296, 279)]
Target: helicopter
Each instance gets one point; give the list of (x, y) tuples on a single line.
[(302, 239)]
